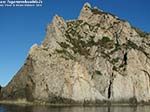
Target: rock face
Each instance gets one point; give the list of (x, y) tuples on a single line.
[(96, 58)]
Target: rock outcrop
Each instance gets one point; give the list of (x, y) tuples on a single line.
[(96, 58)]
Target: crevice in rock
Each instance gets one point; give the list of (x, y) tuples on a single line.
[(147, 74), (109, 90), (108, 109), (110, 87), (125, 58), (47, 89), (30, 86), (117, 38)]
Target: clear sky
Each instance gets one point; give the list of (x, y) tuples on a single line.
[(21, 27)]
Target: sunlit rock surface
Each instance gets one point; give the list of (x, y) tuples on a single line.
[(94, 59)]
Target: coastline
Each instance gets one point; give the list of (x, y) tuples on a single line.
[(102, 104)]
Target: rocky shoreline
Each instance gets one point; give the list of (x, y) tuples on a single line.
[(102, 104)]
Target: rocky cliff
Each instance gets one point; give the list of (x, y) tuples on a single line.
[(96, 58)]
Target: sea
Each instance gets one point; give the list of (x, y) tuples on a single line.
[(25, 108)]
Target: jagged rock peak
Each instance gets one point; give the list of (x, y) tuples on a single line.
[(58, 21), (33, 49), (87, 5), (55, 31), (85, 12)]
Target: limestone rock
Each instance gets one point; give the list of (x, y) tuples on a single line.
[(85, 12), (94, 59)]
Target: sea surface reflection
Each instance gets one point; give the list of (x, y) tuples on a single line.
[(15, 108)]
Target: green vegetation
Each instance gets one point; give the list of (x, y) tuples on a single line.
[(77, 44), (70, 23), (132, 102), (63, 44), (114, 68), (122, 65), (90, 26), (105, 55), (131, 44), (98, 24), (115, 60), (140, 32), (115, 49), (65, 54), (105, 39), (96, 11), (121, 20), (98, 72), (106, 43)]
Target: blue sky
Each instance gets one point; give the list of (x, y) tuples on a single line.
[(21, 27)]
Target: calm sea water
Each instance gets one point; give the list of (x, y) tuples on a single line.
[(14, 108)]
